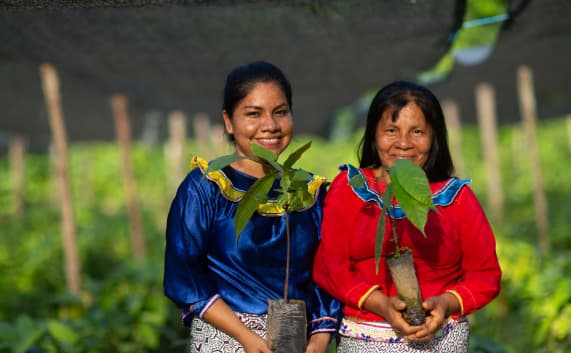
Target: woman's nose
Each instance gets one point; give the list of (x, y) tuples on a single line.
[(269, 122), (404, 141)]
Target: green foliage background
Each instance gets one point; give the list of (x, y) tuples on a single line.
[(122, 309)]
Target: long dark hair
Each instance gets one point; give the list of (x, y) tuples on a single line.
[(394, 97)]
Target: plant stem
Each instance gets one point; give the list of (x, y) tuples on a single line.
[(393, 223), (287, 255), (386, 178)]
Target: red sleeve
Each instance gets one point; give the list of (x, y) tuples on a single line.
[(481, 274), (332, 269)]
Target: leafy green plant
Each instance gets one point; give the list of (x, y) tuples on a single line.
[(409, 186), (292, 194), (406, 183)]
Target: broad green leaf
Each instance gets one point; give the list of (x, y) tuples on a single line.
[(222, 162), (261, 198), (357, 181), (387, 198), (415, 211), (294, 157), (412, 180), (248, 204)]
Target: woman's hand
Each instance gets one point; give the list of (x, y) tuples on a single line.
[(318, 343), (438, 308), (391, 309), (222, 317), (253, 343)]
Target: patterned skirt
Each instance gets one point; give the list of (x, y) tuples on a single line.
[(454, 339), (205, 338)]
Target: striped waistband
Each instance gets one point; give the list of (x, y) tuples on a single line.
[(374, 331)]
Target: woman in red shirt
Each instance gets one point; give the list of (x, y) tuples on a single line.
[(456, 263)]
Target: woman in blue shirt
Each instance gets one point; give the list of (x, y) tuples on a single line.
[(223, 286)]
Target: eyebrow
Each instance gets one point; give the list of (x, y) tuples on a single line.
[(283, 105)]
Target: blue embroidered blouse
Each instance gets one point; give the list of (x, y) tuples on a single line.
[(203, 261)]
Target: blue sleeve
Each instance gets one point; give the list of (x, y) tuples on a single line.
[(326, 314), (186, 276)]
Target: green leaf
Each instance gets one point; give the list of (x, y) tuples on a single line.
[(301, 200), (412, 180), (300, 175), (62, 332), (412, 192), (248, 204), (357, 181), (261, 198), (28, 339), (222, 162), (262, 152), (294, 157), (285, 183), (267, 156), (387, 198)]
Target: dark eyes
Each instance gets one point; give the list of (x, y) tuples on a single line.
[(391, 130), (258, 113), (282, 112)]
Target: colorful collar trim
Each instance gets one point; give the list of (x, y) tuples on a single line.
[(443, 197), (234, 194)]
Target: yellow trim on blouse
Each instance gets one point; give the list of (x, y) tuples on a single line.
[(270, 208), (366, 295), (453, 292)]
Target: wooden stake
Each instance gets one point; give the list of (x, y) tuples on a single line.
[(50, 85), (529, 117), (569, 130), (450, 109), (176, 146), (16, 151), (123, 131), (202, 134), (218, 138), (485, 100)]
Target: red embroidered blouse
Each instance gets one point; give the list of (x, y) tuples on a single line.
[(458, 254)]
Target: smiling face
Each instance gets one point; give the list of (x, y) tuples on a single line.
[(262, 117), (408, 137)]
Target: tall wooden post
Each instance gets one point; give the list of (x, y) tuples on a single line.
[(569, 130), (486, 107), (450, 109), (218, 138), (50, 85), (123, 131), (176, 146), (16, 152), (202, 134), (529, 116)]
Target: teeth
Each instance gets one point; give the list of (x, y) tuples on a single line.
[(272, 140)]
